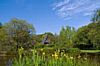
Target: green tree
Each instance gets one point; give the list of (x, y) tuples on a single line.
[(94, 35), (19, 32), (66, 36), (96, 16), (4, 42), (81, 38), (88, 37)]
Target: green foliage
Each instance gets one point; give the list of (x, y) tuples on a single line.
[(4, 42), (56, 59), (89, 35), (74, 50), (16, 33), (39, 45), (96, 16), (66, 36), (94, 35), (81, 36), (90, 51)]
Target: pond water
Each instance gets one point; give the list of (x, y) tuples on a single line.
[(7, 60), (94, 57)]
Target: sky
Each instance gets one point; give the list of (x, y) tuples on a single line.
[(49, 15)]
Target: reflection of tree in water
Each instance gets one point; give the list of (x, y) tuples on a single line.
[(6, 60), (9, 63), (45, 40)]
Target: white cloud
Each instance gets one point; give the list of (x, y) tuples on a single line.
[(68, 8), (87, 14)]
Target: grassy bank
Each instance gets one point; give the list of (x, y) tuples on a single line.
[(90, 51)]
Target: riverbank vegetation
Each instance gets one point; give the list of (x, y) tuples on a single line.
[(55, 58)]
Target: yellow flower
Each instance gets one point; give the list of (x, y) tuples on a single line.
[(56, 57), (79, 56), (85, 58), (52, 55), (71, 58), (58, 50), (41, 49), (64, 54), (43, 53), (34, 51), (20, 51), (56, 54), (22, 48), (63, 50)]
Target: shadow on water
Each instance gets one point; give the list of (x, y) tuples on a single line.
[(6, 59), (94, 57)]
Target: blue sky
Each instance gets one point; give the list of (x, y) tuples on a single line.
[(49, 15)]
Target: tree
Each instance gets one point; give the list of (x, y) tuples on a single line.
[(0, 24), (19, 32), (66, 36), (96, 16), (81, 38), (88, 37), (4, 42), (94, 35)]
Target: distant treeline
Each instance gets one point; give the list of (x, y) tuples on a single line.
[(19, 33)]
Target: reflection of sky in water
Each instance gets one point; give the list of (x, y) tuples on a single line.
[(6, 60), (9, 62)]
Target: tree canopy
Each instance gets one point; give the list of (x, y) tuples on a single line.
[(96, 16), (66, 36), (19, 33), (89, 35)]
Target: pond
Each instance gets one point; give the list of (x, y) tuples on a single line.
[(95, 57), (6, 59)]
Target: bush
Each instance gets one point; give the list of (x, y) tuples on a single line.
[(74, 50)]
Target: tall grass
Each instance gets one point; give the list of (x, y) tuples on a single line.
[(55, 59)]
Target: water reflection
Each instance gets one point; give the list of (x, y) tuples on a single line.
[(6, 60), (9, 63)]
